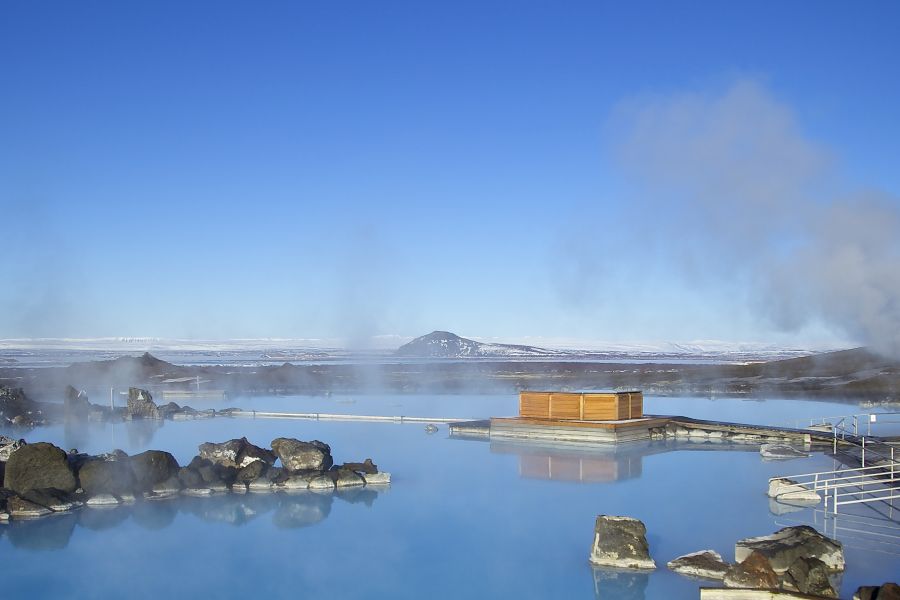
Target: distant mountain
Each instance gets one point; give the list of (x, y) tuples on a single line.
[(443, 344)]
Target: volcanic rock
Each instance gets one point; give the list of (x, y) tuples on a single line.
[(786, 545), (236, 453), (381, 478), (7, 446), (76, 403), (107, 477), (21, 508), (190, 478), (366, 467), (17, 409), (621, 542), (152, 467), (102, 500), (809, 576), (347, 478), (787, 490), (141, 405), (707, 564), (781, 452), (753, 572), (321, 482), (888, 591), (39, 465), (52, 499), (302, 456)]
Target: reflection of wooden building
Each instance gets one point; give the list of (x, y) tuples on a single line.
[(563, 464), (578, 417), (582, 406), (573, 468)]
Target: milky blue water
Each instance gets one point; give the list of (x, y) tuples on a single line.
[(462, 518)]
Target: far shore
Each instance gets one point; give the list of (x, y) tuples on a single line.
[(848, 375)]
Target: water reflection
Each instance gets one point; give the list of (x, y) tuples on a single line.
[(562, 463), (596, 463), (289, 511), (619, 585)]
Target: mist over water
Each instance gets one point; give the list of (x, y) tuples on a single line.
[(738, 192)]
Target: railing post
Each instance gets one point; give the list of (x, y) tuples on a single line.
[(864, 453), (835, 500)]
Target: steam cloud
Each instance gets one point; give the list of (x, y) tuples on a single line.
[(745, 193)]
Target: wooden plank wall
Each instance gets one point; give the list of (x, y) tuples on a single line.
[(565, 406), (535, 405), (613, 406)]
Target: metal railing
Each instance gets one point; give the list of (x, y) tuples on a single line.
[(841, 487), (852, 424)]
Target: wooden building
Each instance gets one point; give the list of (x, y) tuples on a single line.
[(581, 406)]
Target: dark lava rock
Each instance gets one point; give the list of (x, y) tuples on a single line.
[(39, 465), (786, 545), (620, 542), (152, 467), (141, 405), (76, 403), (107, 477), (706, 564), (252, 471), (236, 453), (167, 410), (347, 478), (17, 409), (8, 445), (303, 456), (888, 591), (25, 509), (753, 572), (190, 478), (809, 576), (367, 467), (52, 499)]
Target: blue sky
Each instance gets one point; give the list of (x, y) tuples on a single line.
[(348, 169)]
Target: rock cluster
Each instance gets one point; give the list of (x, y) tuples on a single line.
[(794, 559), (39, 478), (141, 406), (16, 409)]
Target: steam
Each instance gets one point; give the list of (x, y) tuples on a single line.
[(738, 190)]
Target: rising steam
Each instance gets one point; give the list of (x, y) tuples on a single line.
[(746, 193)]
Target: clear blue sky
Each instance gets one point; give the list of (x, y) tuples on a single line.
[(302, 169)]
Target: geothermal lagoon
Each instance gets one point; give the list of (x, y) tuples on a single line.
[(462, 518)]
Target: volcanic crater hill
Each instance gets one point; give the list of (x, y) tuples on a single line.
[(444, 344)]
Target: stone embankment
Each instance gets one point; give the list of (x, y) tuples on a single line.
[(40, 479), (793, 562)]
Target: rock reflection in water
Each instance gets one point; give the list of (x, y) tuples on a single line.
[(289, 510), (619, 585)]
